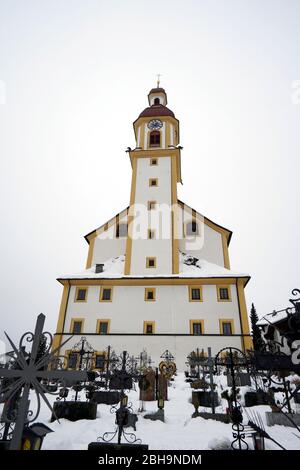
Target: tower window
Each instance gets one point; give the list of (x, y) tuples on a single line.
[(153, 182), (151, 234), (224, 294), (154, 139), (151, 205), (149, 327), (121, 230), (191, 228), (195, 294), (150, 294), (81, 294), (106, 294), (151, 262), (156, 101), (153, 161)]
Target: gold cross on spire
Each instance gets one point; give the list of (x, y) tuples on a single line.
[(158, 79)]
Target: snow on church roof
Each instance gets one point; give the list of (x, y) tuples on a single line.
[(188, 267)]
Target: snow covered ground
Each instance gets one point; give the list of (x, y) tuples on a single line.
[(179, 432)]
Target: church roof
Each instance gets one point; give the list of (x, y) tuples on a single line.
[(157, 110), (157, 90), (114, 269), (207, 221)]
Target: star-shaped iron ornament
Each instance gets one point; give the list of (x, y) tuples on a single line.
[(27, 372)]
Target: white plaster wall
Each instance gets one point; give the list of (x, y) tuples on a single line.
[(171, 310), (179, 346), (161, 248), (207, 246), (106, 244)]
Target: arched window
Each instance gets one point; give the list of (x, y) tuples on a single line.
[(154, 139), (191, 228), (156, 101)]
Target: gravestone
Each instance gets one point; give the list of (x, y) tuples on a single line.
[(282, 419), (74, 410), (204, 399), (241, 380), (106, 397), (162, 387), (258, 398), (147, 385), (120, 381)]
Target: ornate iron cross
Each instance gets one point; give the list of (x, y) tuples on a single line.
[(27, 374)]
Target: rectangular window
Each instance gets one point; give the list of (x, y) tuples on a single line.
[(151, 205), (150, 294), (196, 327), (195, 293), (153, 161), (153, 182), (81, 294), (103, 328), (149, 327), (150, 262), (121, 230), (224, 293), (100, 361), (151, 234), (72, 360), (76, 326), (106, 294), (226, 327), (154, 139)]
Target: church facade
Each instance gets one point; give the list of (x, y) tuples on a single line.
[(158, 274)]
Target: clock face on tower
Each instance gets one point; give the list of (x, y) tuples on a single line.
[(154, 125)]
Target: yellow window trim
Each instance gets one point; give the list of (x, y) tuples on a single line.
[(192, 322), (218, 293), (98, 353), (147, 262), (76, 293), (66, 358), (73, 320), (153, 185), (150, 289), (101, 294), (226, 320), (148, 322), (152, 160), (190, 294), (102, 320), (151, 203)]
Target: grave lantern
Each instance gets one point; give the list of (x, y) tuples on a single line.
[(160, 403), (124, 400), (33, 436)]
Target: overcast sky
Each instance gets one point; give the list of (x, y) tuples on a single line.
[(75, 74)]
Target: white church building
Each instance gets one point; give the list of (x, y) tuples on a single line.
[(158, 274)]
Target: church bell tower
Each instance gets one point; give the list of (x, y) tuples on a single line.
[(152, 242)]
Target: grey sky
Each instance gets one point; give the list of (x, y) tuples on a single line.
[(77, 74)]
